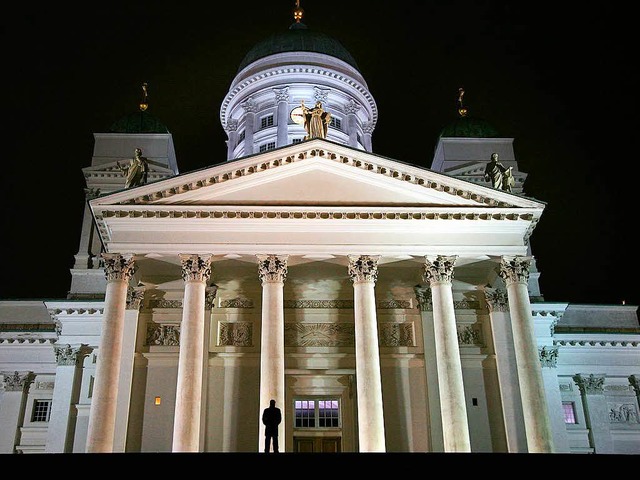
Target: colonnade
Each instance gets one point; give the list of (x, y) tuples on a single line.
[(363, 271)]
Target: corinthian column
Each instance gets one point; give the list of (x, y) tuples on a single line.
[(12, 407), (282, 100), (363, 270), (498, 304), (272, 270), (102, 415), (438, 271), (515, 273), (196, 270)]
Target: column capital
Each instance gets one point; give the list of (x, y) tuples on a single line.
[(67, 355), (593, 384), (423, 295), (210, 296), (439, 268), (352, 107), (515, 269), (17, 381), (272, 268), (118, 266), (548, 356), (249, 105), (195, 267), (367, 127), (282, 94), (363, 268), (231, 126), (496, 299), (135, 295)]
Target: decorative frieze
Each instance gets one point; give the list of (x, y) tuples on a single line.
[(496, 299), (394, 304), (591, 385), (272, 268), (163, 334), (236, 334), (515, 269), (66, 355), (331, 304), (17, 381), (44, 385), (548, 356), (363, 268), (466, 304), (396, 334), (469, 335), (196, 268), (236, 303), (319, 335), (164, 303), (596, 343), (622, 413), (566, 387), (118, 266), (439, 269)]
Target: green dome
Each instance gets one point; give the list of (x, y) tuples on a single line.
[(469, 127), (298, 38), (138, 122)]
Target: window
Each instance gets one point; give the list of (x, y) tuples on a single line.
[(297, 140), (266, 121), (336, 123), (240, 137), (317, 413), (267, 146), (569, 410), (41, 410)]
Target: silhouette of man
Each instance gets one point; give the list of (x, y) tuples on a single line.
[(271, 417)]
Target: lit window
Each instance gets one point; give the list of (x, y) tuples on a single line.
[(41, 410), (317, 413), (267, 146), (266, 121), (569, 410)]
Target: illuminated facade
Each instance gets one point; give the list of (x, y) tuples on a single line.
[(384, 306)]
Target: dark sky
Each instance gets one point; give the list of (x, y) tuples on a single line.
[(559, 81)]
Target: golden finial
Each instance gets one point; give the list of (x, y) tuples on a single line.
[(144, 104), (297, 12), (462, 111)]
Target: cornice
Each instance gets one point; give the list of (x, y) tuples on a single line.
[(272, 73)]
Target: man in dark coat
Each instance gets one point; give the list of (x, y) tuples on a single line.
[(271, 417)]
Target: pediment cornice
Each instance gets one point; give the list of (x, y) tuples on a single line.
[(179, 188)]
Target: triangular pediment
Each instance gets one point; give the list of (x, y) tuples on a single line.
[(317, 173)]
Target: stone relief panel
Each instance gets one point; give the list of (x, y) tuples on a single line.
[(622, 412), (470, 335), (396, 335), (319, 335), (163, 334), (235, 334)]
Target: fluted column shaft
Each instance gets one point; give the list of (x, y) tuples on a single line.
[(196, 270), (438, 272), (515, 273), (363, 270), (282, 99), (102, 416), (272, 270)]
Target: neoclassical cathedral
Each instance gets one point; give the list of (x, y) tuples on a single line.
[(384, 306)]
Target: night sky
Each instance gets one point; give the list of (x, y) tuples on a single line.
[(559, 81)]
